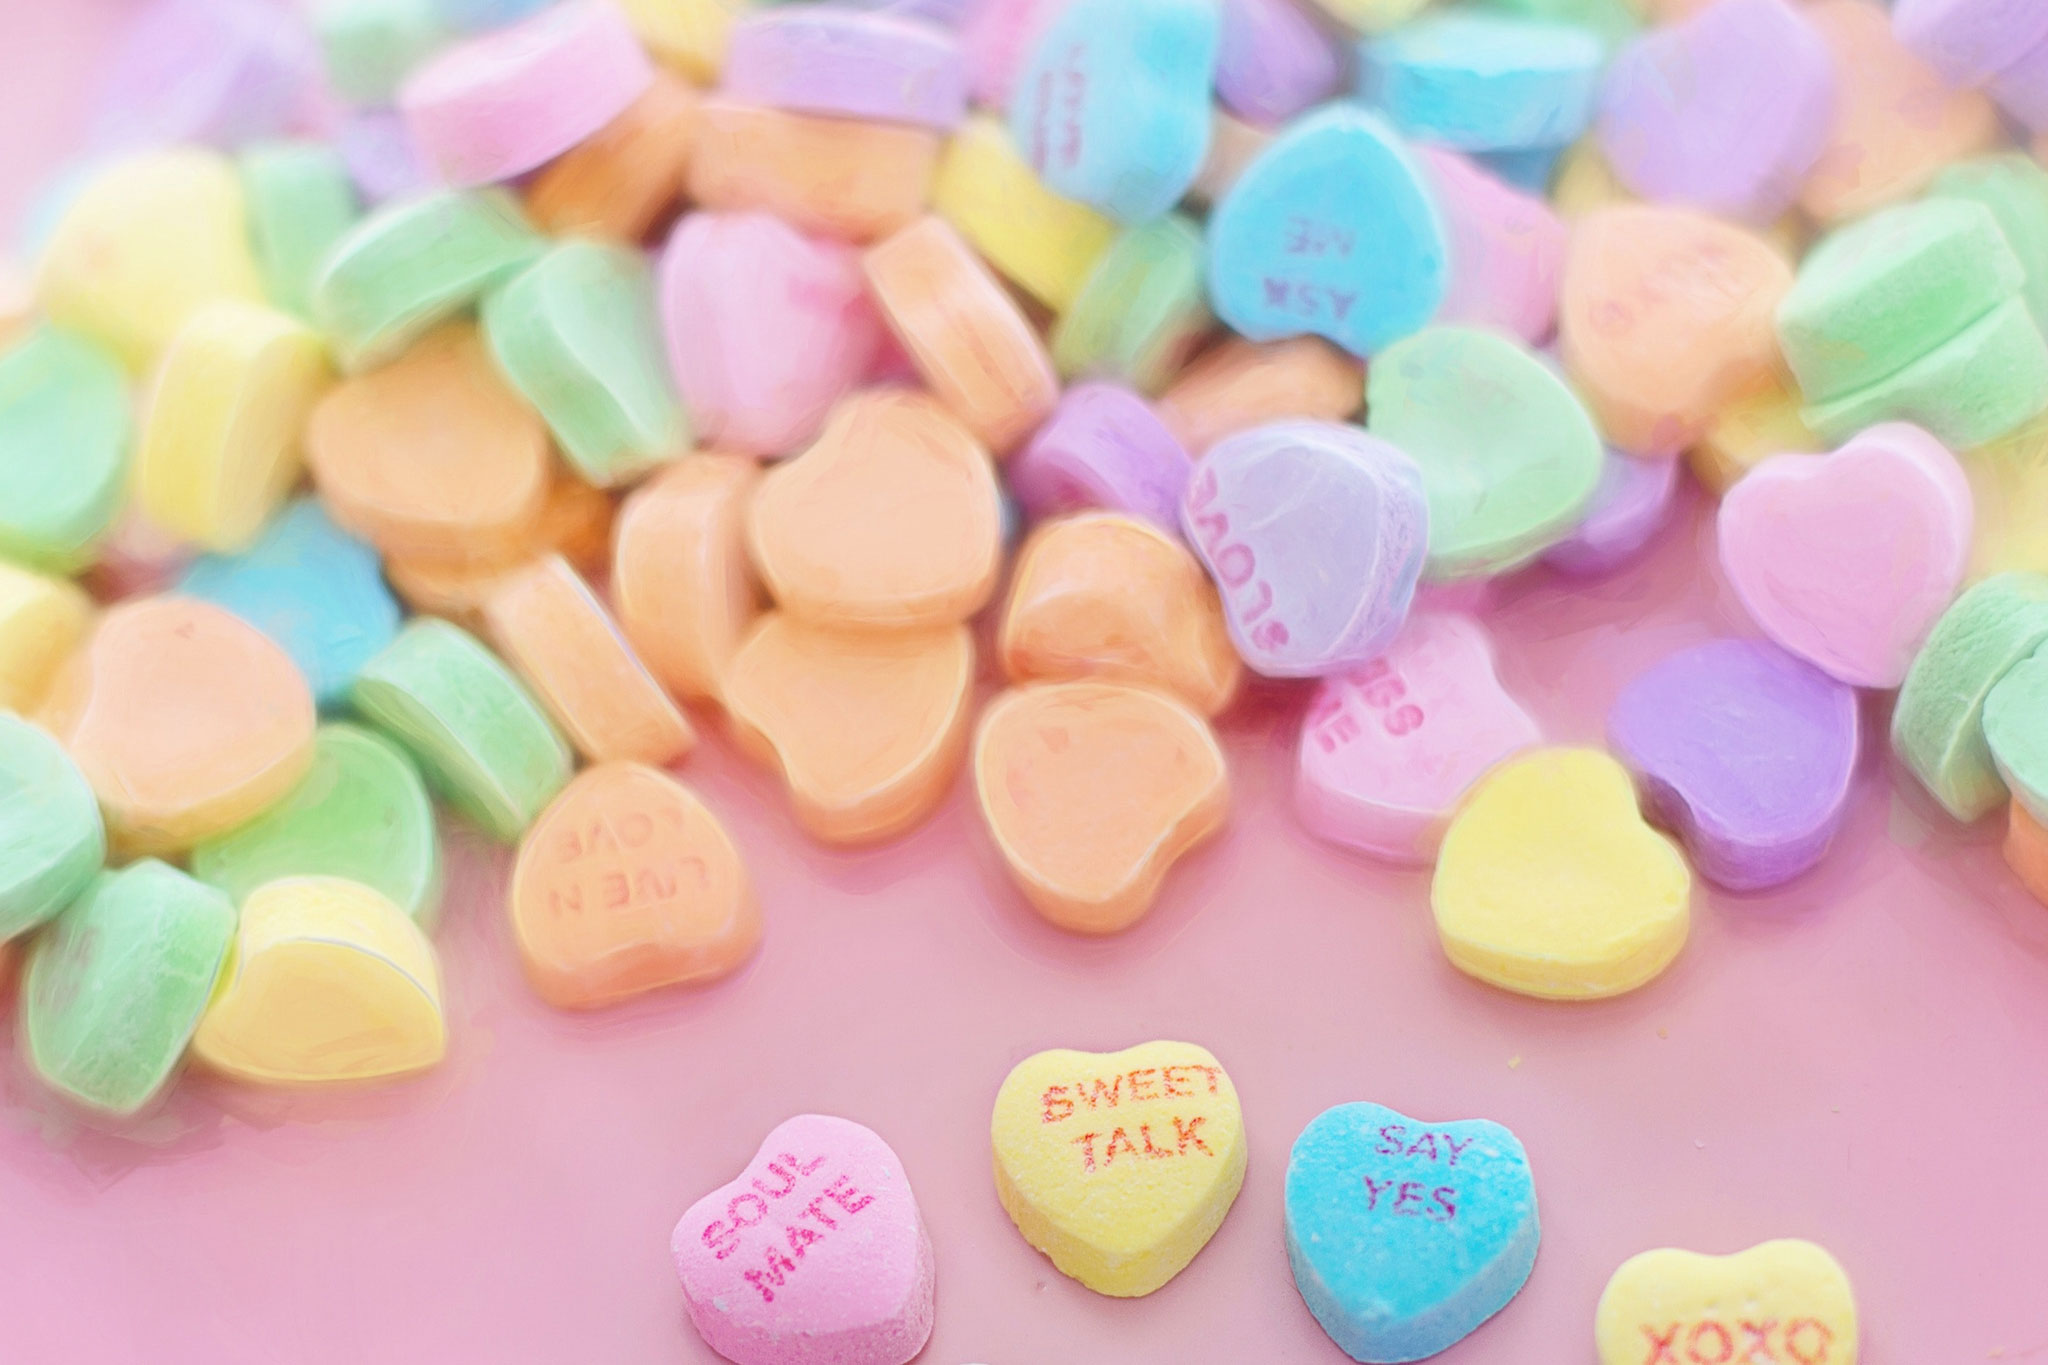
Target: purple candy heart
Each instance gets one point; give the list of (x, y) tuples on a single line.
[(1726, 111), (218, 71), (848, 62), (1274, 60), (1970, 41), (1630, 505), (381, 156), (1103, 446), (1746, 751)]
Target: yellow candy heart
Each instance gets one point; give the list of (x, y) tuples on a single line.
[(42, 620), (2009, 479), (1550, 884), (327, 981), (1119, 1166), (1044, 242), (1781, 1303)]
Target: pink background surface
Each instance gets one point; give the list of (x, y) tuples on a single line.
[(1854, 1060)]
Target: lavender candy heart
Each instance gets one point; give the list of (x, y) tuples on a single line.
[(1746, 751), (218, 71), (850, 63), (1315, 533), (1630, 506), (382, 158), (1103, 446), (1274, 60)]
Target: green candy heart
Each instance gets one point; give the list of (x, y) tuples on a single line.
[(476, 732), (115, 987), (413, 264), (2015, 189), (1610, 20), (1140, 309), (65, 428), (1509, 457), (2016, 731), (51, 838), (301, 202), (361, 813), (1938, 724), (576, 333), (1973, 388), (368, 46)]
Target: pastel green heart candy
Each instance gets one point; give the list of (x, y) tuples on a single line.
[(1509, 457), (1609, 20), (1968, 391), (65, 429), (478, 734), (576, 333), (1938, 723), (301, 202), (51, 837), (1877, 295), (369, 45), (1140, 309), (361, 813), (412, 264), (2016, 730), (2015, 188), (115, 987)]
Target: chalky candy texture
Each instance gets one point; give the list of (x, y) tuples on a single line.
[(1727, 110), (301, 201), (51, 838), (1113, 107), (1102, 447), (1120, 1166), (1142, 309), (1980, 385), (1509, 458), (2015, 188), (1746, 751), (361, 812), (1631, 504), (820, 60), (1785, 1300), (1938, 722), (576, 333), (1483, 81), (115, 987), (1315, 533), (1044, 241), (1331, 231), (2016, 728), (413, 264), (1273, 61), (64, 438), (478, 734), (310, 586), (1404, 1236), (218, 71), (1507, 250), (817, 1253), (503, 103)]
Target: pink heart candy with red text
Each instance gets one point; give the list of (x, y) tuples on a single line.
[(1848, 559), (815, 1255)]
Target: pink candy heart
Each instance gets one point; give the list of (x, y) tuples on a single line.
[(1848, 559), (1387, 749), (815, 1255)]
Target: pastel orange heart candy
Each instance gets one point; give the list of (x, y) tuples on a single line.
[(868, 729), (1243, 384), (627, 883), (682, 582), (575, 522), (1092, 790)]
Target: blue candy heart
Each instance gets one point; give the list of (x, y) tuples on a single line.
[(1113, 107), (1405, 1236), (1484, 82), (313, 588), (1331, 231)]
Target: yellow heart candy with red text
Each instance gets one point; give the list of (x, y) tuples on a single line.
[(1779, 1303)]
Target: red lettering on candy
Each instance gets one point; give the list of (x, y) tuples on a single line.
[(1692, 1344), (1662, 1344), (770, 1279), (1410, 1192), (1757, 1349), (1054, 1105), (1373, 1190), (1712, 1341), (1824, 1338), (1183, 1135), (1109, 1148)]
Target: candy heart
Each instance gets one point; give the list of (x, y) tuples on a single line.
[(623, 182), (1143, 309), (50, 831), (1726, 111), (2015, 189), (1112, 107), (626, 883), (1079, 1138), (2014, 729), (1103, 446), (1631, 504), (867, 729), (1040, 240), (1315, 532), (1507, 249), (1092, 791), (1274, 61), (1783, 1301), (1938, 723), (1107, 596), (2026, 850), (1746, 751), (1848, 559), (682, 582), (816, 1254), (1405, 1236), (64, 435), (1484, 81), (885, 67), (1242, 384), (1331, 231), (1550, 884), (1509, 458), (1387, 749)]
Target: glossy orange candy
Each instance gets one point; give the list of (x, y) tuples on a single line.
[(627, 883), (839, 177), (1242, 384), (681, 579), (575, 523)]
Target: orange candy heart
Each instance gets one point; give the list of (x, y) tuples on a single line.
[(838, 177), (868, 729), (433, 456), (1103, 595), (891, 519), (186, 720), (681, 579), (1241, 384), (627, 883), (552, 628), (575, 522), (618, 184), (1666, 316), (1092, 791), (2026, 851)]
